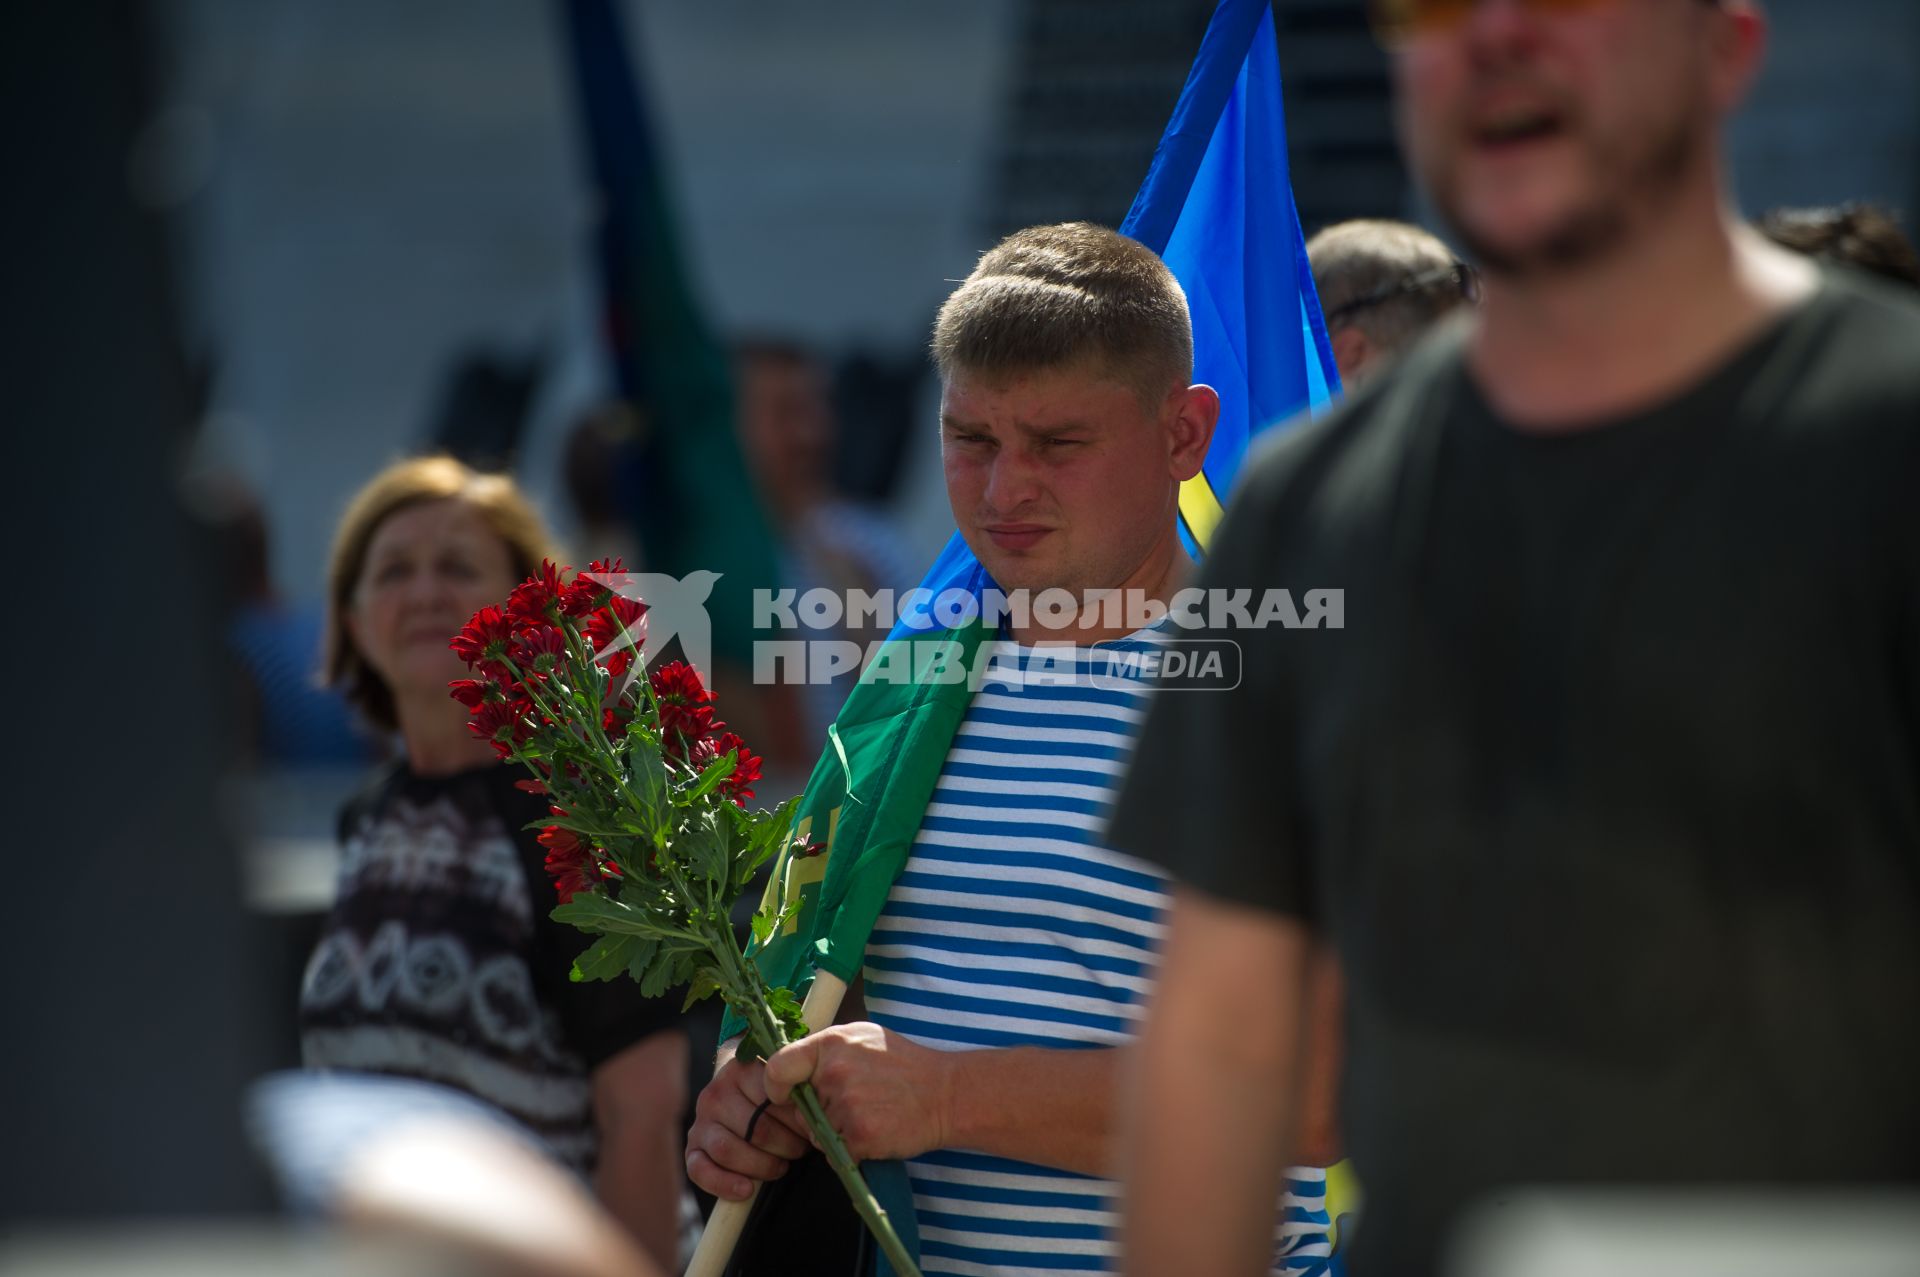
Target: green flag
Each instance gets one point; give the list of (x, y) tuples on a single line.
[(694, 504), (861, 809)]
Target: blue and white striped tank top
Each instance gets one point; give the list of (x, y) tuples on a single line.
[(1013, 925)]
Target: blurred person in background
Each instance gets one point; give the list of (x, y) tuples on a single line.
[(788, 435), (1607, 792), (1864, 236), (289, 717), (438, 960), (598, 466), (1381, 285)]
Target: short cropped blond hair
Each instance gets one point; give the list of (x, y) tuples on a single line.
[(403, 485), (1052, 296)]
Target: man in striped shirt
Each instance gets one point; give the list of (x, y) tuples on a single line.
[(1016, 949)]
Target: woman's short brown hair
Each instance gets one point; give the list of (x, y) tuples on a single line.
[(494, 497)]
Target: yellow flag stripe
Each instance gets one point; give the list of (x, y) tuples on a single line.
[(1343, 1197), (1200, 509)]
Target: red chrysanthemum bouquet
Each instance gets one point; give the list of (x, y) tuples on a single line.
[(650, 841)]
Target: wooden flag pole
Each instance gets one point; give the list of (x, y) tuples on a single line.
[(723, 1226)]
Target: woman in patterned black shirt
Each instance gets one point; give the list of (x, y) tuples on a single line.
[(438, 960)]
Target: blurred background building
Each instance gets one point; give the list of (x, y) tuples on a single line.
[(367, 195)]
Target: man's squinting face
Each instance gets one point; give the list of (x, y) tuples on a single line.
[(428, 569), (1059, 477), (1545, 138)]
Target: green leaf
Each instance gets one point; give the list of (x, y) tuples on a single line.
[(718, 770), (644, 891), (658, 978), (764, 921), (583, 825), (764, 834), (648, 772), (645, 953), (703, 986), (786, 1009), (730, 831), (701, 847), (594, 912), (604, 959)]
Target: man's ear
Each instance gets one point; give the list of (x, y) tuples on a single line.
[(1351, 350), (1195, 412)]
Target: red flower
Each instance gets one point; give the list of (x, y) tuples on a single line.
[(686, 707), (587, 595), (569, 860), (530, 602), (539, 652), (562, 841), (500, 722), (614, 719), (536, 600), (701, 754), (473, 692), (484, 638), (628, 610), (612, 644), (746, 767)]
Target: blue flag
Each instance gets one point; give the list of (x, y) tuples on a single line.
[(1217, 205)]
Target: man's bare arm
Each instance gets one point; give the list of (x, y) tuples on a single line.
[(1318, 1140), (891, 1097), (1211, 1090)]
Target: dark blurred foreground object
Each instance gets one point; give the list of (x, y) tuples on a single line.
[(134, 1010), (803, 1226), (1861, 235), (1690, 1232)]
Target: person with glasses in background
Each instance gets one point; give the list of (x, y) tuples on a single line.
[(1382, 284), (1606, 794)]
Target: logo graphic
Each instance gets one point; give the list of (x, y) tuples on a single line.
[(676, 608)]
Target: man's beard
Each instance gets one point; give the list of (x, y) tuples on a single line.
[(1629, 186)]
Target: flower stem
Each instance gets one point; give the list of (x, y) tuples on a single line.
[(865, 1204), (747, 993)]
